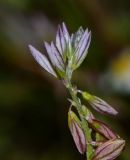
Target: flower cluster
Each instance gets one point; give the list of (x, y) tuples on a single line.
[(66, 54)]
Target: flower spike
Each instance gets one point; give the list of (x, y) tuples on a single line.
[(91, 136)]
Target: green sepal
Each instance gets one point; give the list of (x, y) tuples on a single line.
[(73, 117), (87, 96)]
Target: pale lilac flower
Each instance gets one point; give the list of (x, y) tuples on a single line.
[(66, 54)]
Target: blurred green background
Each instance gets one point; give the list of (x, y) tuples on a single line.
[(33, 104)]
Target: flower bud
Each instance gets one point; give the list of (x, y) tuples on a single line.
[(77, 132), (103, 129), (99, 104), (109, 150)]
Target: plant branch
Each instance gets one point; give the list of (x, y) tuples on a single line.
[(84, 124)]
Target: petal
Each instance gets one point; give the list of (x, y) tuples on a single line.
[(75, 38), (83, 47), (53, 55), (102, 106), (103, 129), (83, 54), (77, 132), (42, 60), (60, 41), (63, 42), (49, 52), (99, 104), (78, 137), (80, 44), (109, 150), (65, 32), (58, 59)]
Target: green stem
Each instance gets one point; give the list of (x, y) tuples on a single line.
[(84, 123)]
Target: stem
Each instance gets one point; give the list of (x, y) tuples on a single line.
[(84, 123)]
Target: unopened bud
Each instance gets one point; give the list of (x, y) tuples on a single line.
[(103, 129), (77, 132), (99, 104), (109, 150)]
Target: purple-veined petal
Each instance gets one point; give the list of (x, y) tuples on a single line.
[(77, 132), (109, 150), (54, 56), (49, 52), (42, 60), (99, 104), (65, 32), (58, 41), (83, 54), (76, 37), (83, 48), (83, 40), (63, 41), (59, 60), (103, 129), (78, 137)]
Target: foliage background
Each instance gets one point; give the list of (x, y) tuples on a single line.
[(33, 104)]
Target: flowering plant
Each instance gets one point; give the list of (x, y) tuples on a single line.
[(64, 56)]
